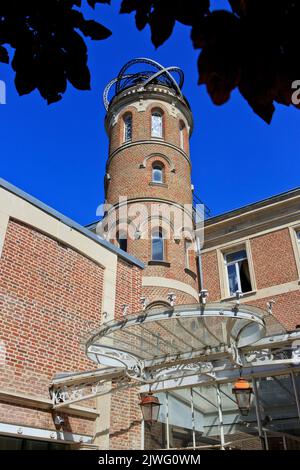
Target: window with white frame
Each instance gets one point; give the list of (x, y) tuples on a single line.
[(156, 124), (158, 245), (127, 128), (237, 270), (298, 237)]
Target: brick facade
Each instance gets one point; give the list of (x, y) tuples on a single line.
[(51, 299), (273, 255), (131, 162)]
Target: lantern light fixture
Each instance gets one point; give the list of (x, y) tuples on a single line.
[(243, 391), (150, 406)]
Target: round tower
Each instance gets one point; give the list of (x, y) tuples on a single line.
[(148, 179)]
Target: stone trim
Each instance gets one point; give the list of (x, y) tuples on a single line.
[(156, 281), (26, 432), (45, 404), (295, 244), (224, 288), (147, 142), (4, 219)]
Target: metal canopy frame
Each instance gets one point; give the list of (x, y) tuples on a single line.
[(179, 347)]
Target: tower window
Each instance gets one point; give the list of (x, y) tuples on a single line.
[(181, 135), (157, 245), (238, 274), (157, 173), (156, 124), (188, 254), (122, 241), (127, 128)]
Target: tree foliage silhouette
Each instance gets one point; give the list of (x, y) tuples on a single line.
[(48, 49), (251, 47)]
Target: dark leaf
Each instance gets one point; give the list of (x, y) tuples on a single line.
[(162, 23), (142, 14), (4, 57), (189, 12), (94, 30), (128, 6)]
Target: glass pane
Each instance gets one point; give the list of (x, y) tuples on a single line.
[(10, 443), (128, 128), (180, 419), (298, 235), (156, 125), (279, 412), (207, 430), (240, 431), (232, 279), (157, 249), (157, 175), (236, 256), (244, 276)]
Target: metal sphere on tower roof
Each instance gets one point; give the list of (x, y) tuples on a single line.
[(156, 73)]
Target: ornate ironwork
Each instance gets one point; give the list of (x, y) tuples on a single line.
[(157, 74)]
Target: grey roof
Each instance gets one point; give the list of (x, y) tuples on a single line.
[(71, 223), (254, 205)]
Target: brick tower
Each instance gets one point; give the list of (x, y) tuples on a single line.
[(148, 179)]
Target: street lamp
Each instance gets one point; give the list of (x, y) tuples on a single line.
[(243, 391), (150, 408)]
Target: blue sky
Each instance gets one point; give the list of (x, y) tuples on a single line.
[(57, 153)]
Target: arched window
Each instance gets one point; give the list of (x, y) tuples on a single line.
[(158, 247), (122, 241), (127, 127), (156, 124), (182, 134), (157, 173)]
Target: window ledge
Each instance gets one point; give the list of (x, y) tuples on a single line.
[(190, 273), (153, 183), (233, 297), (159, 263)]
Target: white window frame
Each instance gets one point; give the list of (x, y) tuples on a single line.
[(223, 273), (294, 230)]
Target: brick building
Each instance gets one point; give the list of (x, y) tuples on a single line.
[(93, 317)]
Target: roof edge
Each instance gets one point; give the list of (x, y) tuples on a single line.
[(254, 205), (70, 223)]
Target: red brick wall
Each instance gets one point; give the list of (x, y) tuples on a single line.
[(51, 297), (211, 278), (274, 259), (50, 300), (130, 170), (274, 264)]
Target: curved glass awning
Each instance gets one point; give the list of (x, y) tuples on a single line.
[(182, 332)]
